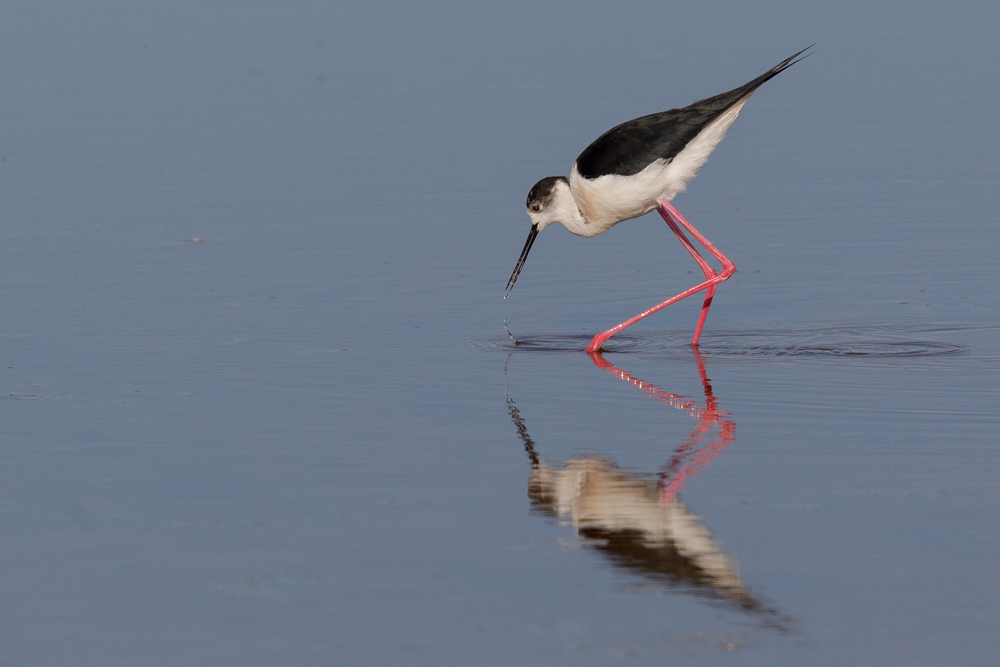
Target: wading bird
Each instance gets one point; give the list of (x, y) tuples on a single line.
[(639, 166)]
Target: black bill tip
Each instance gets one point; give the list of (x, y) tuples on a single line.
[(524, 256)]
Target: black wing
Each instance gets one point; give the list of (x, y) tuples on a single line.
[(630, 147)]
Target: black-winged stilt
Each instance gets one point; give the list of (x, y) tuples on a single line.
[(639, 166)]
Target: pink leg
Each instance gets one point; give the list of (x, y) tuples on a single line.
[(705, 267), (673, 217)]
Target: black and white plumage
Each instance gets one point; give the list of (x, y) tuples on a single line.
[(633, 167)]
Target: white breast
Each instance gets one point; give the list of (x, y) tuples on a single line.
[(607, 200)]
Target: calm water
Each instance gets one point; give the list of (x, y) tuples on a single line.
[(259, 407)]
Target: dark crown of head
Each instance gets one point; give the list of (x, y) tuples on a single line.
[(542, 192)]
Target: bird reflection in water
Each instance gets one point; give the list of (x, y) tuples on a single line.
[(636, 520)]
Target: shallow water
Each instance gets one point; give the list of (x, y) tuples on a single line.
[(259, 405), (868, 342)]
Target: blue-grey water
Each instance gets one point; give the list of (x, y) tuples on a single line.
[(257, 403)]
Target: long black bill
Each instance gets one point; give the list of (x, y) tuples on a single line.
[(524, 255)]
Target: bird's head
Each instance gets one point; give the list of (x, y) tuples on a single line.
[(549, 201)]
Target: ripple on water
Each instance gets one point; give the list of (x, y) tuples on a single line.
[(878, 342)]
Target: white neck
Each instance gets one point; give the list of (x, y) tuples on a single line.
[(565, 211)]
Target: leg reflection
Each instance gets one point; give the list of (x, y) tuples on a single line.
[(714, 428)]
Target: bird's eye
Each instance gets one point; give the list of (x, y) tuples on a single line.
[(536, 208)]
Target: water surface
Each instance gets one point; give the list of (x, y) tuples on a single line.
[(259, 407)]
